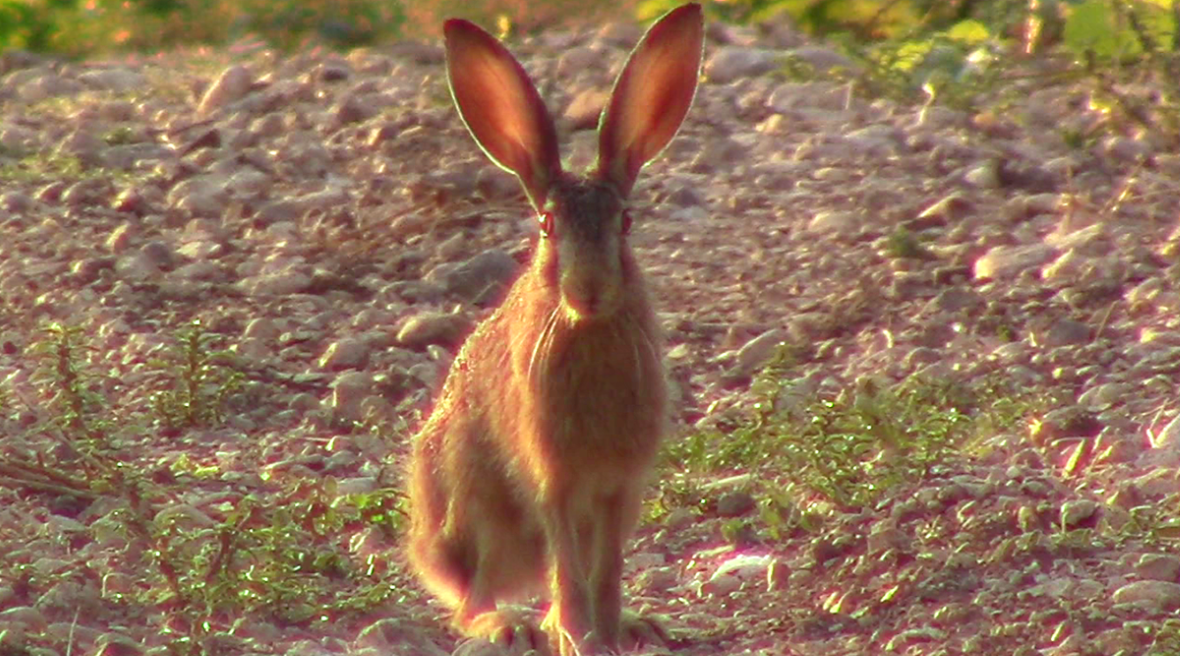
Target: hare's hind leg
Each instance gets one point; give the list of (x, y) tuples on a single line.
[(508, 552), (473, 543)]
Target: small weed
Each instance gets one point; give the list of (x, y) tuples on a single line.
[(1156, 525), (35, 168), (848, 448), (121, 135), (902, 244), (263, 558), (80, 407), (199, 380)]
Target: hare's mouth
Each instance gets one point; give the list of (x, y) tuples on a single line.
[(588, 305)]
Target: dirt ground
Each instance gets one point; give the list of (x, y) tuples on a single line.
[(329, 217)]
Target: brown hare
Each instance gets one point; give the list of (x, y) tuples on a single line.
[(528, 475)]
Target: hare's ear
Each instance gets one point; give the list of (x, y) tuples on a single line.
[(651, 96), (502, 108)]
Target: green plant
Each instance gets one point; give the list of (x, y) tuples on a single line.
[(78, 28), (198, 380), (73, 387), (849, 447)]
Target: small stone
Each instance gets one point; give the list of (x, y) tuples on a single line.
[(25, 615), (836, 221), (985, 175), (276, 284), (119, 80), (584, 110), (115, 644), (472, 279), (263, 328), (16, 202), (159, 254), (729, 63), (136, 267), (333, 72), (348, 390), (233, 83), (576, 60), (428, 328), (905, 640), (346, 353), (735, 504), (1158, 567), (85, 146), (885, 537), (1078, 512), (721, 585), (745, 568), (1101, 397), (680, 518), (1158, 595), (657, 580), (956, 299), (389, 633), (754, 354), (1008, 261), (1065, 332), (822, 59)]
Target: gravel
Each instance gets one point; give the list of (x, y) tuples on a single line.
[(328, 220)]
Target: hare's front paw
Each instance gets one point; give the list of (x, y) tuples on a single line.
[(570, 636), (506, 631)]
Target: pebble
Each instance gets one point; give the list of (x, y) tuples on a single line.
[(1160, 596), (754, 354), (346, 353), (426, 328), (729, 63), (231, 85), (735, 504), (1008, 261), (1158, 567), (1076, 512), (472, 278)]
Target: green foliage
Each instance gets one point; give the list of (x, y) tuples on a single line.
[(263, 558), (198, 380), (850, 447), (276, 551), (73, 386), (36, 168), (1116, 30), (903, 244), (76, 27)]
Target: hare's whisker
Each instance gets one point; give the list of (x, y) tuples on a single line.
[(542, 347)]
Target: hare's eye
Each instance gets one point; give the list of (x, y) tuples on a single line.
[(546, 219), (626, 222)]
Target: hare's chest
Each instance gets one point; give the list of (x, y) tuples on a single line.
[(604, 396)]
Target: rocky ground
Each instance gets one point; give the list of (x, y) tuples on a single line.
[(329, 221)]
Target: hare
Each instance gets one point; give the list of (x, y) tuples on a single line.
[(528, 475)]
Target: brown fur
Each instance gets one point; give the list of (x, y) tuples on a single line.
[(529, 473)]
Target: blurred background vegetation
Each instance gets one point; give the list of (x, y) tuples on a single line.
[(1115, 29)]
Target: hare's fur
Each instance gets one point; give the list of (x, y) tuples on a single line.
[(528, 475)]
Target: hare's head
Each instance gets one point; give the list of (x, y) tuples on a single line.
[(584, 220)]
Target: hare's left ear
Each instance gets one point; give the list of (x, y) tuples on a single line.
[(651, 96)]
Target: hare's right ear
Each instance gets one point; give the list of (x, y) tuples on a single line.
[(502, 108), (651, 96)]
